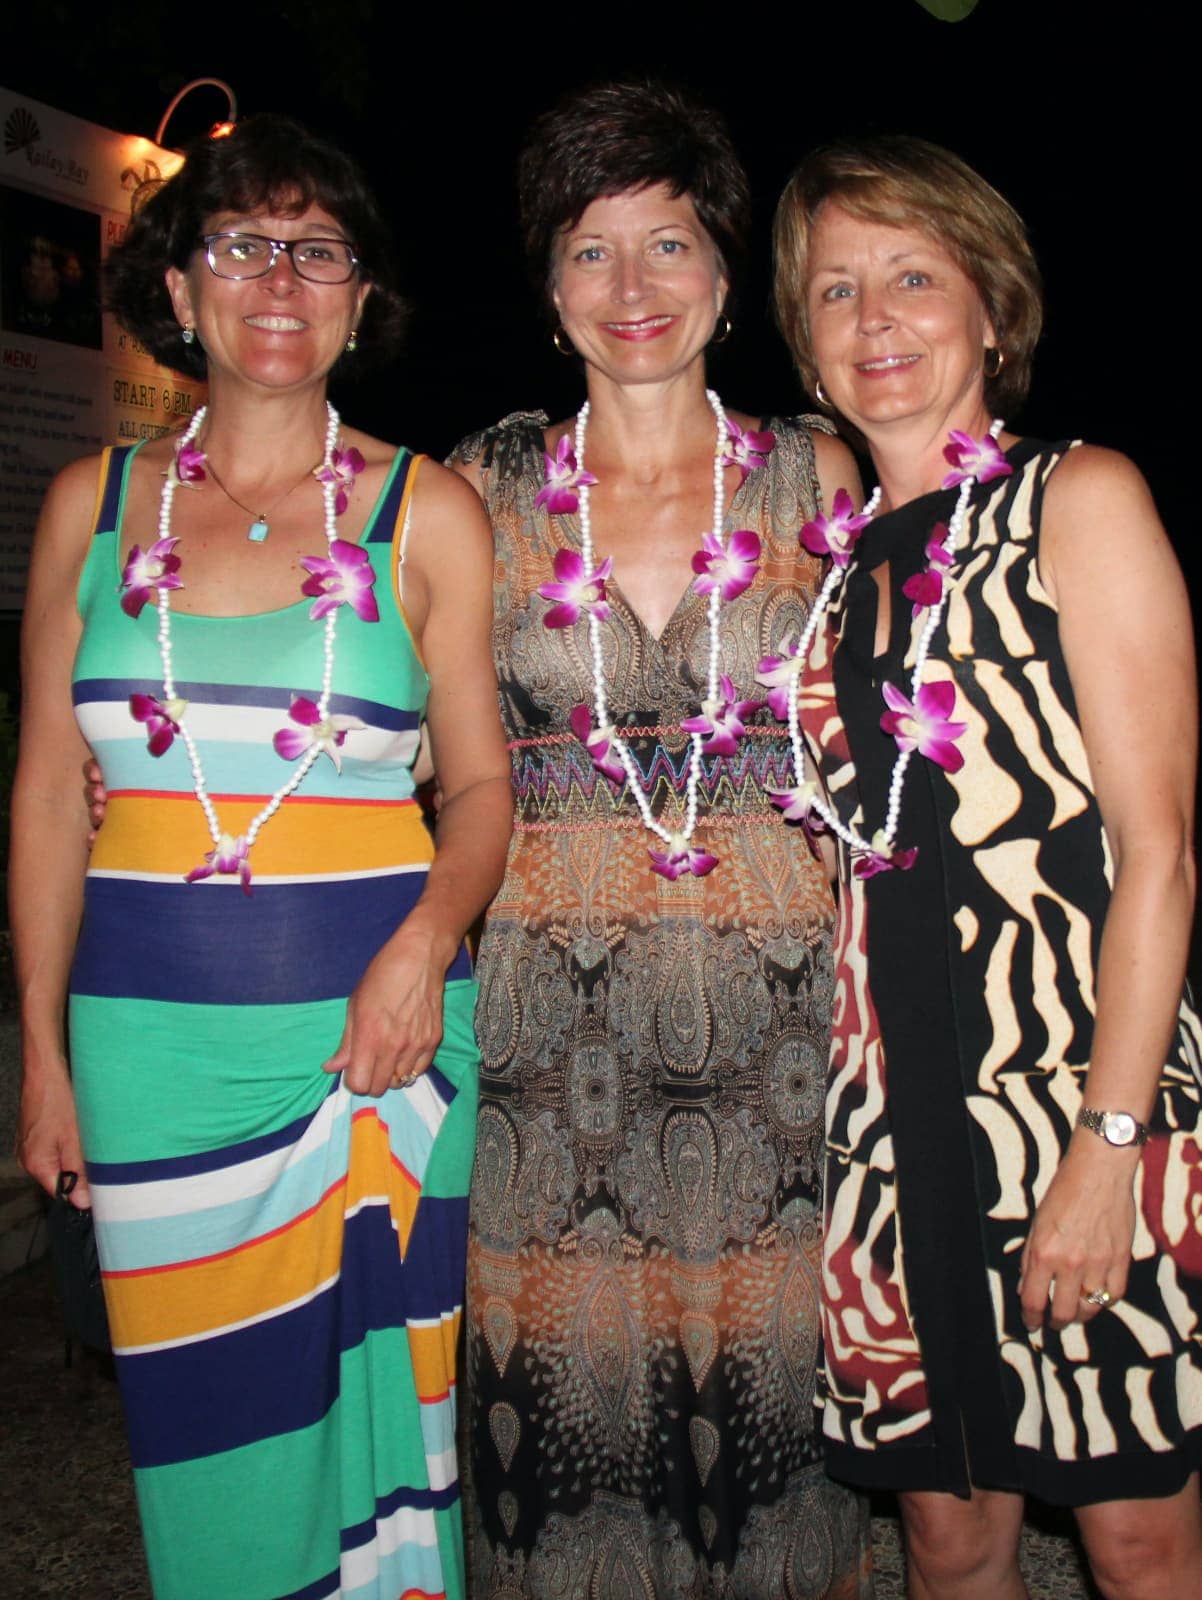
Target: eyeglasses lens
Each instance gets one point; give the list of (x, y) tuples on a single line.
[(250, 255)]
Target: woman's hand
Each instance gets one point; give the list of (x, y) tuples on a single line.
[(48, 1134), (393, 1019), (1081, 1237)]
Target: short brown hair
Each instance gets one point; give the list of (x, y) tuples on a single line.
[(909, 183), (617, 137), (271, 163)]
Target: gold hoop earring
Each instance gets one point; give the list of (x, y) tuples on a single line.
[(993, 350), (188, 333), (722, 329), (567, 348), (352, 342), (820, 396)]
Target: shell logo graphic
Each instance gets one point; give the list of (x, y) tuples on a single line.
[(21, 131)]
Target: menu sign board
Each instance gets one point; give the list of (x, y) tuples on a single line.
[(71, 380)]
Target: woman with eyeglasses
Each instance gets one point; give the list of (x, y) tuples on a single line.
[(272, 1069)]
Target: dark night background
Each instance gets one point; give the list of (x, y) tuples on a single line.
[(1080, 113)]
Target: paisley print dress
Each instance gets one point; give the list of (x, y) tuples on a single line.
[(956, 1072), (643, 1280)]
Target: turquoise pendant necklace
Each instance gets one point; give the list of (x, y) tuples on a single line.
[(260, 527)]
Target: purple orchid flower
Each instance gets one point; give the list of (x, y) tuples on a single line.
[(729, 568), (327, 733), (576, 590), (187, 467), (721, 721), (926, 588), (923, 724), (598, 742), (981, 459), (161, 718), (836, 535), (882, 859), (779, 675), (745, 449), (564, 477), (158, 568), (228, 857), (345, 466), (344, 578), (797, 805), (681, 857)]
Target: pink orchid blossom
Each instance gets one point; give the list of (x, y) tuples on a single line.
[(598, 742), (564, 477), (779, 675), (721, 721), (923, 725), (681, 857), (882, 858), (926, 588), (327, 733), (745, 449), (981, 459), (229, 857), (576, 590), (797, 805), (187, 467), (345, 466), (344, 578), (836, 535), (161, 718), (158, 568), (729, 568)]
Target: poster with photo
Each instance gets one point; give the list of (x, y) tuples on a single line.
[(71, 381)]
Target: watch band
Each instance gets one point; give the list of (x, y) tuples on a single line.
[(1118, 1128)]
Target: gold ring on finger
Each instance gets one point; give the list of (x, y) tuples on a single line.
[(1097, 1297)]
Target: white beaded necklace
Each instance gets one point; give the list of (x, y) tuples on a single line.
[(677, 840), (879, 852), (229, 852)]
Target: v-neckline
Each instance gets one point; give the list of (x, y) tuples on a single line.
[(571, 525)]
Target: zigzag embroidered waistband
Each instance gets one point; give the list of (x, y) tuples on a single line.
[(555, 781)]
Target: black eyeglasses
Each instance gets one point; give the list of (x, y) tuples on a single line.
[(252, 255)]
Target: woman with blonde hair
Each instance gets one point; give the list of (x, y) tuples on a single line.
[(999, 684)]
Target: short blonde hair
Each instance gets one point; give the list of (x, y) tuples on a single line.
[(908, 183)]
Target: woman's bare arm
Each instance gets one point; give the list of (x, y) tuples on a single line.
[(50, 829), (1128, 644)]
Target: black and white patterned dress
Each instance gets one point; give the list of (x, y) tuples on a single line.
[(964, 1015)]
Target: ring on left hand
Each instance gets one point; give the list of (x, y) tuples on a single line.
[(1096, 1297)]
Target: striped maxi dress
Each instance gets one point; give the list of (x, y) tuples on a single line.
[(282, 1259)]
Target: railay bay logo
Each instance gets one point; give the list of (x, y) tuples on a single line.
[(22, 134)]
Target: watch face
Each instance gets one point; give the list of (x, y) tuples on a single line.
[(1118, 1127)]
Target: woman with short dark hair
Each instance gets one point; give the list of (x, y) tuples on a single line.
[(272, 1071), (655, 999), (1002, 693)]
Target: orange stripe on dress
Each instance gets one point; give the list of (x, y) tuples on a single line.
[(167, 834), (432, 1352), (258, 1277)]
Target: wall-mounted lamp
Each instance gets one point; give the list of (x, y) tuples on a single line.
[(219, 130)]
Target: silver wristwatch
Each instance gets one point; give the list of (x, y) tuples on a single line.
[(1116, 1127)]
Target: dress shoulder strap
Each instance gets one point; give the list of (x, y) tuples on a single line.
[(389, 510), (114, 463)]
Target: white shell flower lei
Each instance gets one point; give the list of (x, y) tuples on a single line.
[(918, 723), (345, 576), (724, 572)]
